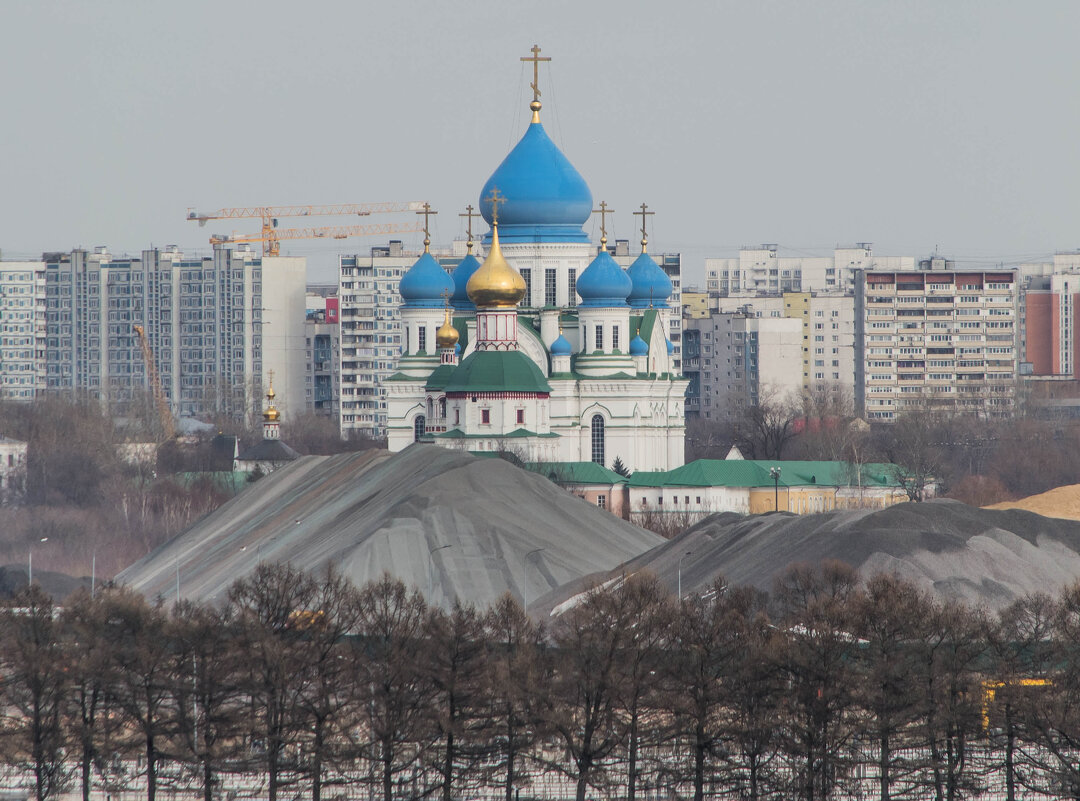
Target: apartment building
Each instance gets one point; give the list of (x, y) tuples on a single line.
[(22, 330), (828, 333), (762, 271), (215, 328), (735, 360), (370, 330), (322, 384), (937, 339)]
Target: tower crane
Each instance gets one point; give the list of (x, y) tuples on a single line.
[(270, 236), (154, 380)]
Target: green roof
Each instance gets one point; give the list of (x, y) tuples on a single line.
[(440, 376), (755, 473), (648, 321), (462, 326), (497, 371), (577, 472)]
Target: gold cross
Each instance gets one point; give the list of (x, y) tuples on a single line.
[(427, 212), (535, 59), (469, 214), (643, 214), (495, 199), (603, 211)]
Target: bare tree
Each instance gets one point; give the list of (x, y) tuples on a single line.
[(518, 680), (910, 445), (34, 688), (394, 693), (766, 429)]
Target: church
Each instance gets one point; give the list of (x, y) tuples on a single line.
[(548, 349)]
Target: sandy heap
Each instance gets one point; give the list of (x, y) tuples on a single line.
[(366, 513), (980, 556), (1062, 502)]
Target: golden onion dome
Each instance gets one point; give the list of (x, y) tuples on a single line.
[(447, 336), (495, 285), (271, 414)]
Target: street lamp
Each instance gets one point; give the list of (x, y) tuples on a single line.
[(431, 568), (680, 571), (525, 578), (774, 473), (30, 566)]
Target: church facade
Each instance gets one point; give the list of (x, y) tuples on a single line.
[(548, 349)]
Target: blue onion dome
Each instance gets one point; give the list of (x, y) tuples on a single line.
[(603, 283), (425, 285), (546, 198), (652, 287), (561, 346), (457, 348), (638, 346), (670, 347), (462, 273)]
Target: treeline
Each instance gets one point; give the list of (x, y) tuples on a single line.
[(314, 688)]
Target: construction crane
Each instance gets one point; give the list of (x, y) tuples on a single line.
[(155, 385), (269, 216), (271, 246)]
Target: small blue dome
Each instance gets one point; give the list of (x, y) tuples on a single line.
[(604, 283), (638, 346), (424, 283), (546, 198), (462, 273), (561, 347), (670, 347), (457, 348), (652, 287)]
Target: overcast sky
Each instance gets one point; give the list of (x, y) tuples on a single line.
[(912, 125)]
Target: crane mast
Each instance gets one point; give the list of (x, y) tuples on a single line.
[(152, 377)]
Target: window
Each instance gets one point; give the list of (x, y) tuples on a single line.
[(485, 416), (527, 275), (520, 416), (615, 338), (422, 332), (599, 337), (601, 501), (419, 427), (572, 297), (598, 439), (549, 287)]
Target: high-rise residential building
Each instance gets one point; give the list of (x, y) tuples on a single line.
[(762, 271), (735, 360), (828, 334), (370, 329), (1050, 317), (22, 330), (937, 339), (322, 384), (214, 326)]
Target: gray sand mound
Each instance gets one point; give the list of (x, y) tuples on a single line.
[(372, 512), (948, 548)]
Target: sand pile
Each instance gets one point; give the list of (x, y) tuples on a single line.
[(372, 512), (1062, 502), (948, 548)]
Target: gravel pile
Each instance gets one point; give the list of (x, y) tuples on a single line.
[(981, 556), (371, 512)]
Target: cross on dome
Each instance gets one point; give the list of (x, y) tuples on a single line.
[(535, 59), (643, 214), (427, 212), (468, 225), (495, 198), (603, 211)]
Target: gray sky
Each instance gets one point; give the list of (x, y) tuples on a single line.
[(808, 124)]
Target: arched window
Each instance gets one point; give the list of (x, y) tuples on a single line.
[(419, 427), (442, 408), (598, 439)]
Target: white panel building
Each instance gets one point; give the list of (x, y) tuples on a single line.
[(22, 330)]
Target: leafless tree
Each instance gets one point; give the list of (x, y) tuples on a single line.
[(34, 689)]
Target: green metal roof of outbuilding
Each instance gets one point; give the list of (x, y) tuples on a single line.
[(577, 472), (755, 473)]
